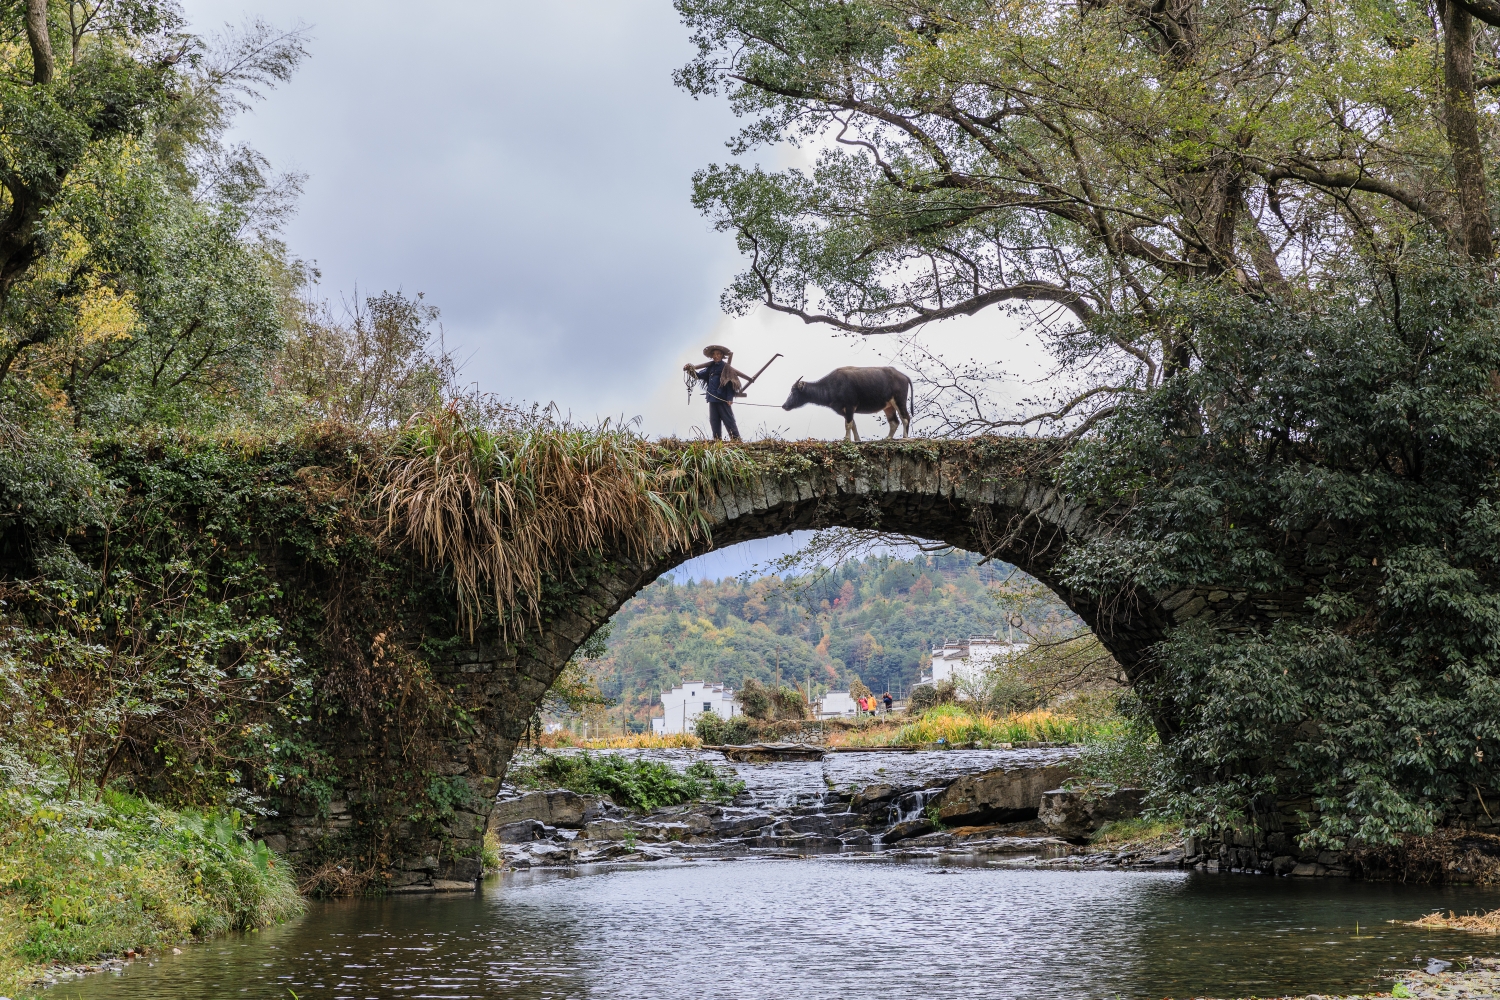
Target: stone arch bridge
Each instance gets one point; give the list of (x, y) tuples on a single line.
[(993, 496)]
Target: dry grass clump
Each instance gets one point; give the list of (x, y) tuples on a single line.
[(502, 505), (338, 878), (1483, 923)]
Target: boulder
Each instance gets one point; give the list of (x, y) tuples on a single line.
[(555, 807), (465, 870), (522, 832), (880, 792), (1075, 815), (1002, 795)]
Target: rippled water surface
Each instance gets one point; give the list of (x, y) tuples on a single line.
[(834, 927)]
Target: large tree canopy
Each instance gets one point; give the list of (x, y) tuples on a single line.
[(1096, 156), (137, 256)]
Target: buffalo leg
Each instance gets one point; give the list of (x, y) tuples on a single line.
[(890, 419), (900, 405), (849, 428)]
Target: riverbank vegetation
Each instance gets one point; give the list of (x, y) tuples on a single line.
[(1277, 309), (113, 872), (1368, 489), (630, 782), (957, 726)]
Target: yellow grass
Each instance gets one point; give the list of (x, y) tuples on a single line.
[(955, 725), (635, 741), (1482, 923)]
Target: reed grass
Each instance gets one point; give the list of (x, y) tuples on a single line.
[(954, 725), (503, 506), (635, 741)]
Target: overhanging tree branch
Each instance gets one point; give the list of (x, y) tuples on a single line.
[(1035, 291)]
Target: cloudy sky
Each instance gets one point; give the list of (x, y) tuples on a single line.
[(527, 166)]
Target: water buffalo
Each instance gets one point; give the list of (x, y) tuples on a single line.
[(848, 391)]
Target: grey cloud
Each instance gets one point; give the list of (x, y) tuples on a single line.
[(526, 165)]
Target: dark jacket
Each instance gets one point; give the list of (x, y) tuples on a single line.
[(712, 373)]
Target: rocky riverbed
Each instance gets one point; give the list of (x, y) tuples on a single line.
[(1005, 803)]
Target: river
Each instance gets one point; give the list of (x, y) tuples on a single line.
[(852, 924), (843, 926)]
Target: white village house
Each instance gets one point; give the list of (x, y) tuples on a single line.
[(836, 705), (967, 659), (683, 704)]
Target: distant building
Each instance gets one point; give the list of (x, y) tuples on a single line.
[(683, 704), (965, 659), (836, 705)]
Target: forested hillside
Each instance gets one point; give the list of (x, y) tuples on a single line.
[(875, 618)]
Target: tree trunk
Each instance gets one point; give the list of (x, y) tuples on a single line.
[(39, 35), (1463, 129)]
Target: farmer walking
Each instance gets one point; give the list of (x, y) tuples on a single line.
[(721, 384)]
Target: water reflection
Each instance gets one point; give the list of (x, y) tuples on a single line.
[(826, 927)]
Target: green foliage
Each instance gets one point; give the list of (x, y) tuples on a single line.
[(83, 879), (1126, 756), (1141, 829), (49, 489), (373, 367), (196, 656), (444, 795), (207, 325), (771, 704), (633, 783), (142, 276), (925, 696), (1027, 151), (714, 731), (577, 687), (1340, 455)]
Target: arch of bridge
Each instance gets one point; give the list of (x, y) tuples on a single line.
[(992, 496)]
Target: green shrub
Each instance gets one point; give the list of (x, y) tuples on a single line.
[(715, 731), (1125, 756), (636, 784)]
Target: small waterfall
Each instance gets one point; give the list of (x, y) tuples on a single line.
[(911, 806)]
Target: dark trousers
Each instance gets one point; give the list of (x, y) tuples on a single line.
[(721, 415)]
